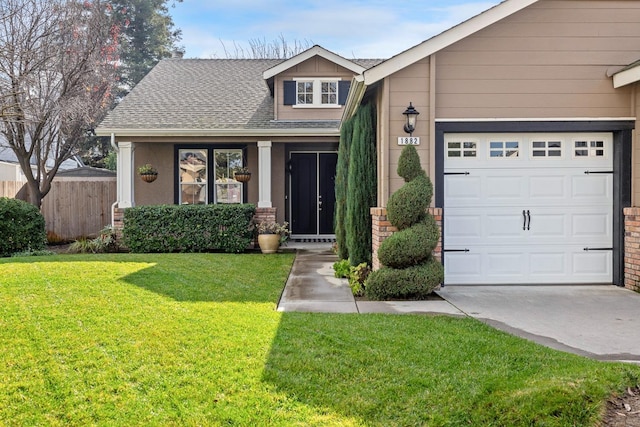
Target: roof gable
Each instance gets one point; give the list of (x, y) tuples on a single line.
[(310, 53), (443, 40)]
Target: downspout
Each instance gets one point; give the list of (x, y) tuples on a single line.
[(113, 206)]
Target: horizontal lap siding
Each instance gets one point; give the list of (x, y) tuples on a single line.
[(548, 60), (410, 84)]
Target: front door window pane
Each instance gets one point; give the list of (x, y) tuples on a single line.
[(193, 176)]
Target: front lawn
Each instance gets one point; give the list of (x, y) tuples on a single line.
[(194, 339)]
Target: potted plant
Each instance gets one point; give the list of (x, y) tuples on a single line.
[(242, 174), (271, 235), (147, 172)]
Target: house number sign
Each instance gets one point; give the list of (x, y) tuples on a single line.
[(408, 140)]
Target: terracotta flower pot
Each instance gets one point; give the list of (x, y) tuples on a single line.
[(269, 243)]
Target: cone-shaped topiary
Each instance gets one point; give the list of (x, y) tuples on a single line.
[(409, 164), (410, 270)]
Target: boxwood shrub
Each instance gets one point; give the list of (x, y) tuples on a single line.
[(22, 227), (415, 282), (410, 246), (188, 228)]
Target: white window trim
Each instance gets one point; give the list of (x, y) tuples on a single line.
[(317, 92)]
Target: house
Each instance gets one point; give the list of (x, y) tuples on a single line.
[(528, 128), (198, 120), (10, 169)]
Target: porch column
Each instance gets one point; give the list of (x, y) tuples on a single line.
[(125, 174), (264, 174)]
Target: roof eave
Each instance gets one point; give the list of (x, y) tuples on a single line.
[(444, 39), (626, 77), (180, 132)]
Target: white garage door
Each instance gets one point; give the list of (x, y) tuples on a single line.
[(528, 208)]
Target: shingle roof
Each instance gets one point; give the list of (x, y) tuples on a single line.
[(202, 94)]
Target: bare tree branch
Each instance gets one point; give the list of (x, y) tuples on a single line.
[(57, 69)]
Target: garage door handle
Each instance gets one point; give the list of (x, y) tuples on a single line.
[(526, 216)]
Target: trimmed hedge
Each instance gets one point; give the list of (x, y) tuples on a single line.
[(22, 227), (415, 282), (188, 228)]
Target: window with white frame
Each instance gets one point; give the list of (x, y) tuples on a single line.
[(508, 149), (588, 148), (546, 148), (462, 148), (317, 92)]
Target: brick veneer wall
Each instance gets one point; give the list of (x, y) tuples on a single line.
[(381, 229), (632, 249)]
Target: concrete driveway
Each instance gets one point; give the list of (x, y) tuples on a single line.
[(602, 322)]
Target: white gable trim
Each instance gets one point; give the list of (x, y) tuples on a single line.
[(445, 39), (310, 53), (627, 76)]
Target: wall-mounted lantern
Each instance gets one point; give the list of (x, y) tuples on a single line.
[(412, 115)]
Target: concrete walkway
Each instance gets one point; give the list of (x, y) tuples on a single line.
[(601, 322)]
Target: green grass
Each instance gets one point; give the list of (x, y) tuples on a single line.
[(193, 339)]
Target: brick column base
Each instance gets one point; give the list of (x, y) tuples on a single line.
[(381, 229), (264, 214), (632, 249)]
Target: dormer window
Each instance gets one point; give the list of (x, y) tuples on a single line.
[(316, 93)]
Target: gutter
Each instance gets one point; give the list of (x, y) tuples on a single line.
[(124, 132)]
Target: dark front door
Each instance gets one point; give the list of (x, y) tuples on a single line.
[(312, 192)]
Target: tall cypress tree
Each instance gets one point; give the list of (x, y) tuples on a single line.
[(342, 177), (361, 190)]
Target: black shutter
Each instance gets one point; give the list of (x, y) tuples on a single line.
[(289, 92), (343, 91)]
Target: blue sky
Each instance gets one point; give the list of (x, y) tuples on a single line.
[(350, 28)]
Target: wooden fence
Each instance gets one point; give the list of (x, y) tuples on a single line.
[(73, 208)]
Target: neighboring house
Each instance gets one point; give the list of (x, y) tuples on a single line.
[(10, 169), (528, 128)]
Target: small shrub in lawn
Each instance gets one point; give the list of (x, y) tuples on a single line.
[(22, 227), (188, 228)]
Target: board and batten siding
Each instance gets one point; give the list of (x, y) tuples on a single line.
[(549, 60)]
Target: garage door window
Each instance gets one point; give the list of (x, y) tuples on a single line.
[(588, 148), (504, 149), (462, 149), (546, 149)]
